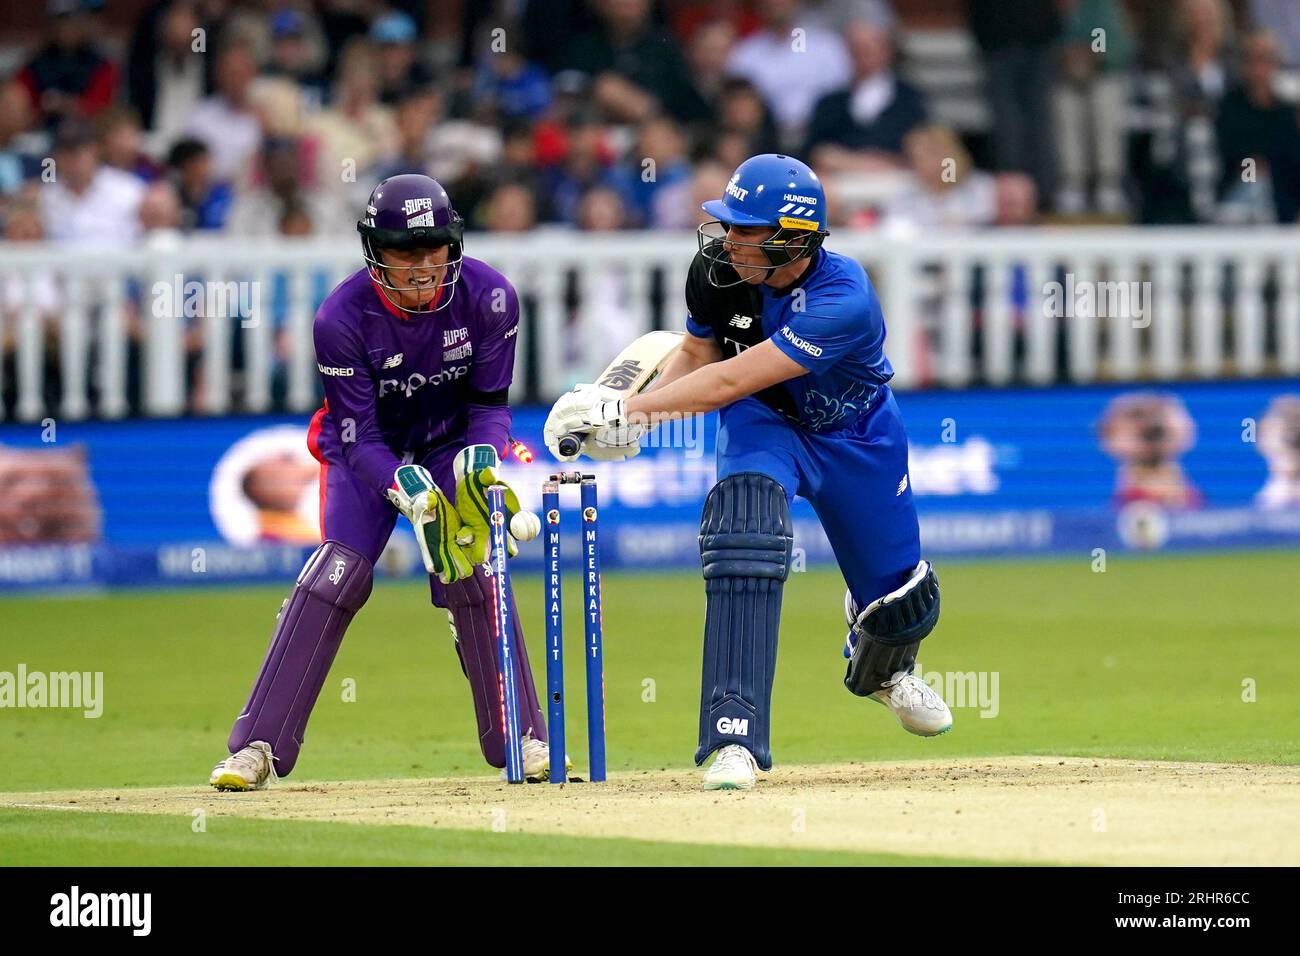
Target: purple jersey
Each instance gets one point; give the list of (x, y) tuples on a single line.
[(399, 385)]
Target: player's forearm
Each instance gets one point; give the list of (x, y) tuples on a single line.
[(705, 389), (489, 425), (373, 461), (682, 363)]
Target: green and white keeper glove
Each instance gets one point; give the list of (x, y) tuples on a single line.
[(435, 521), (475, 469)]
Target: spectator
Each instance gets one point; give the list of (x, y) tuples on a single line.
[(259, 211), (1281, 18), (689, 17), (1018, 41), (707, 56), (508, 85), (601, 210), (342, 22), (947, 192), (88, 202), (654, 175), (160, 215), (510, 208), (1091, 101), (296, 58), (561, 19), (68, 76), (400, 71), (1255, 124), (166, 76), (606, 314), (861, 128), (1015, 202), (743, 113), (120, 143), (227, 122), (636, 68), (20, 149), (416, 115), (295, 219), (31, 291), (793, 61), (517, 165), (707, 182), (204, 201), (586, 164), (1176, 160), (355, 131)]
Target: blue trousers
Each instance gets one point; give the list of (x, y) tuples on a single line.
[(856, 480)]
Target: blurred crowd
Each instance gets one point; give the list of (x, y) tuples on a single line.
[(143, 121), (274, 117)]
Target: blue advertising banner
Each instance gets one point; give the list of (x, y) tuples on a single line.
[(1010, 471)]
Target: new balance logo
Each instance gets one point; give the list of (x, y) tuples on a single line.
[(902, 487), (393, 360), (735, 726), (742, 321)]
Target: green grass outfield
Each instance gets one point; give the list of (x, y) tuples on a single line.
[(1146, 660)]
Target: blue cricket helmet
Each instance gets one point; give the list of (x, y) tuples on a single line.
[(766, 190)]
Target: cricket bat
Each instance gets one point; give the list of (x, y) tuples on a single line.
[(633, 371)]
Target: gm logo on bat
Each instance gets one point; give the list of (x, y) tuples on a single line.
[(622, 375)]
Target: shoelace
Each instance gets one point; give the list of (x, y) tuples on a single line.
[(250, 764), (914, 690), (734, 758)]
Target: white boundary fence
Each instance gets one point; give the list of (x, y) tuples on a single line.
[(1132, 304)]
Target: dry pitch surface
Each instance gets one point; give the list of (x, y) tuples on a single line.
[(1028, 809)]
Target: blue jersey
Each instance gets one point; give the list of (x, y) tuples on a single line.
[(829, 321)]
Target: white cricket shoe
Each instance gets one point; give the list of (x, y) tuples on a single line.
[(917, 706), (734, 768), (250, 769), (537, 760)]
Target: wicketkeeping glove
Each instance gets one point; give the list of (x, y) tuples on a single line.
[(435, 521), (475, 469)]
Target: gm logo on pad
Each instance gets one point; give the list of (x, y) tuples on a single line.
[(736, 726)]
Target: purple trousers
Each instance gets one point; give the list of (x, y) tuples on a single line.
[(356, 522)]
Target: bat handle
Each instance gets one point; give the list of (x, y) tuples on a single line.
[(569, 444)]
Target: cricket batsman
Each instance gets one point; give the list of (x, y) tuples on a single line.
[(416, 354), (786, 340)]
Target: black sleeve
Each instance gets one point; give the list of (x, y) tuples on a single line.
[(697, 285)]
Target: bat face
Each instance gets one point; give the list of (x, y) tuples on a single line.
[(637, 365)]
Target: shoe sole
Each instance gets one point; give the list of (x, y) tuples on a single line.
[(728, 786), (231, 782), (914, 733)]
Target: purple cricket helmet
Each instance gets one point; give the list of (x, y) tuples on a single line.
[(411, 211)]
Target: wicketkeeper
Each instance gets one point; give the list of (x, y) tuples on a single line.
[(416, 355), (786, 339)]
